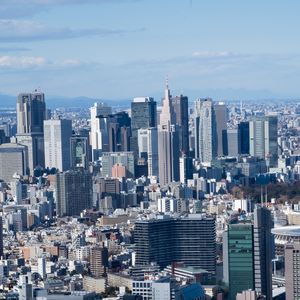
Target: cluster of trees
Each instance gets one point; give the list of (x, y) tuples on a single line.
[(280, 191)]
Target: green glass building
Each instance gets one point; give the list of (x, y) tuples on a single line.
[(240, 266)]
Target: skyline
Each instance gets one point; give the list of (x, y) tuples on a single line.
[(232, 50)]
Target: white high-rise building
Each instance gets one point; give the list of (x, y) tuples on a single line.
[(168, 142), (205, 137), (42, 267), (148, 148), (99, 130), (57, 144)]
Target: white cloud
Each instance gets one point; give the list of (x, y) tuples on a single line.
[(21, 62), (208, 54), (31, 63), (12, 30)]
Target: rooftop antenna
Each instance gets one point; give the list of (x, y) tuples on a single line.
[(167, 82)]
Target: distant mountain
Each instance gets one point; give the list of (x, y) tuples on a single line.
[(216, 94)]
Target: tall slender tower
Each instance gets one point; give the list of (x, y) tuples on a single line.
[(263, 251), (99, 129), (180, 106), (220, 110), (31, 113), (168, 142), (205, 137)]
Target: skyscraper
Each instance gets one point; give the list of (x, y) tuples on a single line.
[(243, 138), (80, 151), (148, 149), (168, 143), (118, 130), (263, 251), (238, 258), (73, 192), (31, 113), (180, 106), (57, 144), (205, 136), (190, 240), (99, 129), (110, 159), (248, 253), (143, 115), (231, 147), (220, 110), (263, 138)]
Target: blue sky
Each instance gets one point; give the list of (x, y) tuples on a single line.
[(118, 49)]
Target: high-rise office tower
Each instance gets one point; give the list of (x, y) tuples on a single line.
[(99, 129), (119, 131), (180, 106), (73, 192), (165, 240), (143, 115), (168, 142), (243, 138), (231, 146), (13, 159), (263, 138), (263, 251), (292, 271), (110, 159), (80, 151), (247, 255), (57, 144), (98, 261), (148, 149), (220, 110), (205, 131), (238, 254), (31, 113)]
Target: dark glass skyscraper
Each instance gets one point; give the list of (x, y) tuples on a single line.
[(247, 255), (143, 115), (31, 113), (119, 131), (238, 261), (181, 109), (243, 138), (190, 240)]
